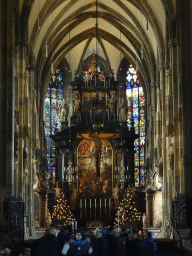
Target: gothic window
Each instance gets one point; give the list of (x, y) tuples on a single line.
[(136, 117), (53, 100)]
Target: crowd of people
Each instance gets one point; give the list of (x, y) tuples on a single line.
[(101, 243)]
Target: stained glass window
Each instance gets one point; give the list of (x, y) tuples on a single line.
[(136, 116), (53, 100)]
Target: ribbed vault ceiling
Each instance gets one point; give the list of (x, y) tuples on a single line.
[(68, 28)]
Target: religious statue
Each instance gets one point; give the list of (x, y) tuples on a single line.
[(57, 190), (116, 192), (25, 158), (144, 220), (63, 111), (76, 103), (123, 110)]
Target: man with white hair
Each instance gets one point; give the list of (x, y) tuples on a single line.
[(100, 246)]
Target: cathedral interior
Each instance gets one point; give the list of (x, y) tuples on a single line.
[(95, 98)]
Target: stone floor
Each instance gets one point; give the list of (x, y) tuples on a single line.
[(168, 248)]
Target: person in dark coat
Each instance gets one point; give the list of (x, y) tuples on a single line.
[(99, 244), (148, 246), (63, 237), (110, 238), (119, 242), (132, 244), (47, 245), (79, 246)]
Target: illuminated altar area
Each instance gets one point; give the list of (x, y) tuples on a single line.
[(95, 147)]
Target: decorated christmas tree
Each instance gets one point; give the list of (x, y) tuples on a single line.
[(127, 214), (62, 216)]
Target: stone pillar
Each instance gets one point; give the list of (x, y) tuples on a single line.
[(22, 130), (163, 130), (149, 206), (43, 208), (9, 97)]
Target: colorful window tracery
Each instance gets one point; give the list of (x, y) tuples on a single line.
[(136, 115), (53, 100)]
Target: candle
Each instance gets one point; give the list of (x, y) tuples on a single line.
[(106, 149), (90, 203), (95, 203), (100, 203), (107, 160), (85, 203), (105, 202), (104, 81), (80, 203), (75, 225), (109, 203)]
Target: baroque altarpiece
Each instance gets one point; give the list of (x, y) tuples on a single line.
[(95, 147)]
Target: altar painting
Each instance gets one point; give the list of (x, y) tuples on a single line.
[(90, 185)]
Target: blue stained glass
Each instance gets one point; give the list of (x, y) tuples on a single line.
[(136, 102), (53, 99), (59, 78), (129, 77)]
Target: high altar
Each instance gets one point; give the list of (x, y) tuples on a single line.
[(95, 148)]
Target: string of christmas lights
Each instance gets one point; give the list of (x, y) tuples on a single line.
[(62, 214), (127, 213)]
